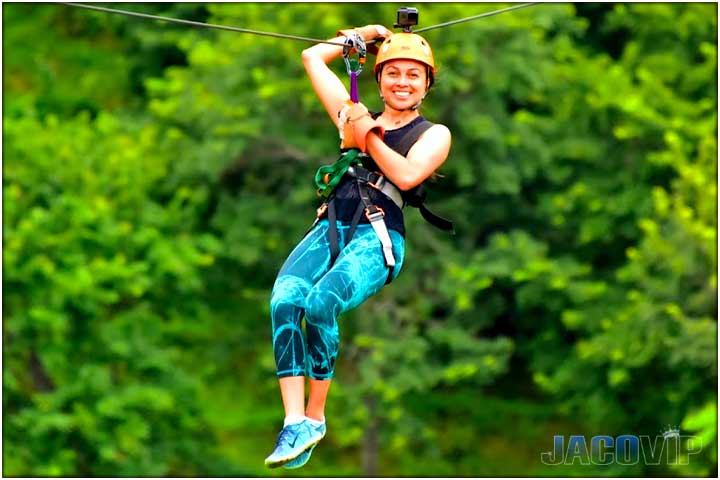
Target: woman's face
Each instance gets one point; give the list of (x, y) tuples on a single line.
[(403, 83)]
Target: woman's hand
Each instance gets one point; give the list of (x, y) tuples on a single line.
[(368, 32), (372, 32), (329, 88), (356, 124)]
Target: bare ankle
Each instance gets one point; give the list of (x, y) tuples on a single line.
[(318, 417)]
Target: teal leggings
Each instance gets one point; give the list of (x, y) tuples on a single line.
[(309, 286)]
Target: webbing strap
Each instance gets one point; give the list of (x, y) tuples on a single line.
[(436, 220), (378, 181), (409, 139), (378, 224), (354, 222), (327, 177), (377, 221), (354, 96)]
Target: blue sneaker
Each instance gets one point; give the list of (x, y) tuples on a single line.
[(301, 459), (293, 441)]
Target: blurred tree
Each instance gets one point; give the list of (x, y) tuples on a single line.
[(101, 280), (576, 297)]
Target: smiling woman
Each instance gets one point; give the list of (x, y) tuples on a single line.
[(403, 80), (347, 256)]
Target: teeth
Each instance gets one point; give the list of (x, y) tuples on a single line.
[(402, 94)]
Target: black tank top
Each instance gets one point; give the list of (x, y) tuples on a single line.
[(347, 196)]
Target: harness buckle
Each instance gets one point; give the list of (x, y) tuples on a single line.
[(374, 213), (378, 184)]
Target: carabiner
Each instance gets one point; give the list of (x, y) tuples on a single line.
[(354, 41), (354, 67)]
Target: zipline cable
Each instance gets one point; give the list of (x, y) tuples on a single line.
[(199, 24), (281, 35), (475, 17)]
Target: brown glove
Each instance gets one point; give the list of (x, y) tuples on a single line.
[(362, 127), (372, 34), (356, 123)]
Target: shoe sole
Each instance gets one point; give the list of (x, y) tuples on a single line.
[(281, 462), (307, 452)]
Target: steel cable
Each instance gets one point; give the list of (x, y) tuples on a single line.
[(281, 35), (475, 17), (200, 24)]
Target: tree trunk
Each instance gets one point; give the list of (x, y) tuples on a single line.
[(370, 440), (41, 381)]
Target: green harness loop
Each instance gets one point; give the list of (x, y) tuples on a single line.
[(335, 172)]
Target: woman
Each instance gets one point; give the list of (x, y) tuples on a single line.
[(347, 257)]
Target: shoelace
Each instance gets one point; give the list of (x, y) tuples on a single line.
[(286, 434)]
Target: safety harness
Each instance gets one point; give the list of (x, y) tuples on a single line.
[(349, 166)]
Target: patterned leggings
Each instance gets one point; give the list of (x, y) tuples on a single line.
[(307, 285)]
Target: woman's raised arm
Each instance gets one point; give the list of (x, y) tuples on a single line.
[(329, 88)]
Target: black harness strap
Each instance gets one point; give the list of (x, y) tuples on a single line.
[(332, 232), (409, 139), (354, 222), (436, 220)]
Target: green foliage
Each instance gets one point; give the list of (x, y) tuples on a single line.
[(99, 274), (157, 176)]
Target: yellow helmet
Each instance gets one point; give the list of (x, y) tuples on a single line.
[(403, 45)]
